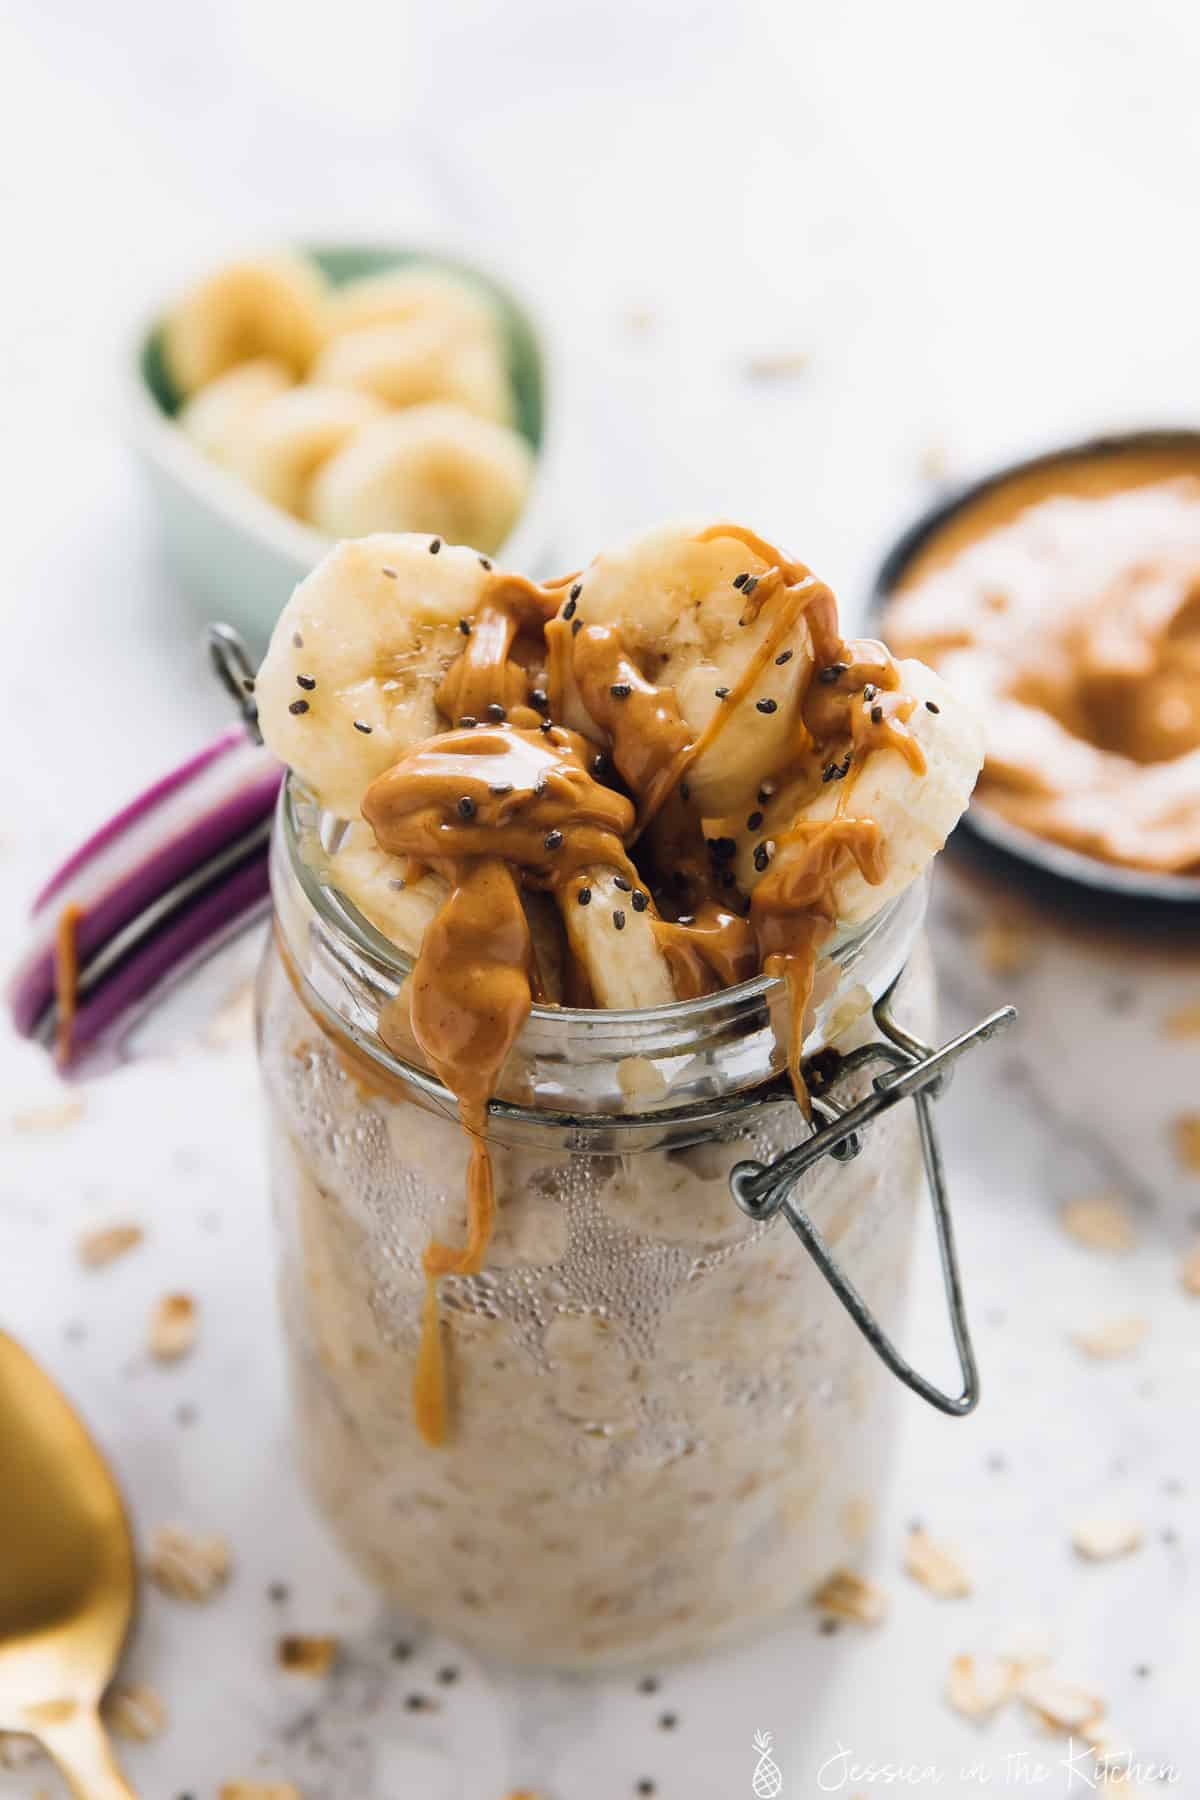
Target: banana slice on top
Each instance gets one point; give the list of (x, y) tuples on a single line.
[(417, 361), (398, 903), (417, 291), (913, 802), (219, 417), (357, 657), (268, 306), (430, 468), (684, 605), (610, 928), (288, 439)]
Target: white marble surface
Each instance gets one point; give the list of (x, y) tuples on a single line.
[(979, 224)]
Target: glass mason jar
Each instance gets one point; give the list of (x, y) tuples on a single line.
[(665, 1430)]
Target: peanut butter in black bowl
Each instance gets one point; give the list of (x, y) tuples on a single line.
[(1062, 595)]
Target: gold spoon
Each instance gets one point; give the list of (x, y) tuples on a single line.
[(66, 1577)]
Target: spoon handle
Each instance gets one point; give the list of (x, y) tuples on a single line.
[(79, 1745)]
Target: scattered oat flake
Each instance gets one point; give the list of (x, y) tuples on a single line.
[(17, 1751), (1185, 1135), (935, 1568), (1189, 1271), (173, 1327), (186, 1566), (233, 1021), (979, 1689), (1058, 1703), (136, 1712), (848, 1596), (776, 365), (55, 1115), (259, 1790), (306, 1655), (934, 463), (1101, 1536), (1184, 1022), (1100, 1221), (106, 1242), (641, 320), (1115, 1337), (1006, 946)]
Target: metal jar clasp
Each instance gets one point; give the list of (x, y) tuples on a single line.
[(912, 1071)]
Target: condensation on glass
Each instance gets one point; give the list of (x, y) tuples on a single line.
[(665, 1430)]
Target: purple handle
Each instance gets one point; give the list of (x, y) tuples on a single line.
[(153, 889)]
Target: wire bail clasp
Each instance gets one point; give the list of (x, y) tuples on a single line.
[(913, 1071)]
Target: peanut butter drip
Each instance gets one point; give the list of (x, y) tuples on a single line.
[(707, 950), (470, 996), (501, 661), (66, 981), (851, 706), (482, 807)]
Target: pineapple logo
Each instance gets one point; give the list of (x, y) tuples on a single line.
[(768, 1782)]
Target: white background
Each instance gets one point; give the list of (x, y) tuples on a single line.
[(979, 224)]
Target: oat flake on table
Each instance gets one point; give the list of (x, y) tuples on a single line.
[(54, 1115), (173, 1327), (1060, 1704), (259, 1790), (1185, 1134), (1101, 1536), (1189, 1271), (1006, 946), (186, 1566), (1100, 1222), (306, 1655), (977, 1689), (1184, 1022), (1115, 1337), (135, 1711), (848, 1596), (935, 1568), (102, 1245)]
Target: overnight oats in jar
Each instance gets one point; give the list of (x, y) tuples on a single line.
[(583, 891)]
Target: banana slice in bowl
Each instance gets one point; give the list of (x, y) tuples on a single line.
[(417, 361), (233, 511), (293, 434), (428, 468), (220, 416), (264, 306)]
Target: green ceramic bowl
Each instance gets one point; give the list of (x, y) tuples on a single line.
[(238, 557)]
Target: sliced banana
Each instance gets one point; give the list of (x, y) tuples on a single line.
[(357, 655), (614, 941), (269, 306), (418, 361), (431, 468), (292, 435), (418, 291), (915, 813), (379, 886), (672, 595), (218, 418)]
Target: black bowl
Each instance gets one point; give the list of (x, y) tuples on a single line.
[(1011, 843)]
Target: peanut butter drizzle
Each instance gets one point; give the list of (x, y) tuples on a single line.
[(792, 909), (477, 806), (707, 950), (487, 673), (66, 981)]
